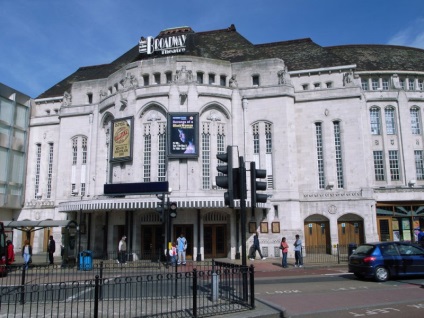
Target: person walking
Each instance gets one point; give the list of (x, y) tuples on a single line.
[(10, 253), (181, 247), (298, 252), (26, 253), (256, 247), (122, 250), (51, 249), (284, 250)]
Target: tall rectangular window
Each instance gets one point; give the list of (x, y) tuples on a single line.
[(420, 84), (268, 138), (320, 155), (206, 157), (375, 120), (223, 80), (147, 160), (199, 77), (255, 80), (37, 170), (419, 164), (220, 143), (211, 79), (385, 82), (74, 151), (411, 84), (364, 84), (50, 172), (268, 150), (168, 76), (162, 155), (374, 83), (415, 121), (390, 121), (394, 165), (378, 165), (84, 151), (339, 159), (256, 139)]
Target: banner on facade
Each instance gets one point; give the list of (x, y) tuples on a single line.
[(183, 132), (122, 139)]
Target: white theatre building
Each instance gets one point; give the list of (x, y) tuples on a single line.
[(338, 130)]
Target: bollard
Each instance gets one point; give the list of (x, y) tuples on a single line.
[(215, 286)]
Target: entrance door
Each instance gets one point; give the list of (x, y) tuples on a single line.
[(187, 230), (215, 240), (317, 237), (351, 232), (151, 242)]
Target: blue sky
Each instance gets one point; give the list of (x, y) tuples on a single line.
[(44, 41)]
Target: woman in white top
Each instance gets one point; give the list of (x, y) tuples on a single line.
[(26, 253)]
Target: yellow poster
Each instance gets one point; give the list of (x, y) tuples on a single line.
[(121, 147)]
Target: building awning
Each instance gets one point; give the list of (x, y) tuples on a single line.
[(144, 203), (37, 224)]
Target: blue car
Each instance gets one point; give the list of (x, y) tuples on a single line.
[(384, 260)]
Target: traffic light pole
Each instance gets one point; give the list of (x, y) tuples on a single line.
[(242, 185)]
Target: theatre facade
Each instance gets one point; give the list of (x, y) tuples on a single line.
[(338, 130)]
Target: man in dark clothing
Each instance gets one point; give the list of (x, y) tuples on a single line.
[(51, 249), (256, 247)]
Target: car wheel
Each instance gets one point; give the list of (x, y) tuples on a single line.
[(381, 274)]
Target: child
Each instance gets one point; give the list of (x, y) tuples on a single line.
[(173, 253)]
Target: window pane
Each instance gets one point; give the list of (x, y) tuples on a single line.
[(415, 121), (419, 166), (378, 165), (6, 111), (394, 165), (390, 121), (375, 121), (320, 156)]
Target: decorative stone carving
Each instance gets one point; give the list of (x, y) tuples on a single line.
[(233, 81), (213, 116), (284, 76), (67, 99), (184, 76), (348, 79)]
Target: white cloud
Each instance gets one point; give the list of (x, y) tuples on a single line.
[(413, 35)]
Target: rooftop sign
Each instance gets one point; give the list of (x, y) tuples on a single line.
[(163, 45)]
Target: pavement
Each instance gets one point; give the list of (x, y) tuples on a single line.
[(264, 269)]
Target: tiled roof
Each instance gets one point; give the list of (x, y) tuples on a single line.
[(381, 57), (229, 45)]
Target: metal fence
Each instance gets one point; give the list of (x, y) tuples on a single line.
[(325, 254), (194, 290)]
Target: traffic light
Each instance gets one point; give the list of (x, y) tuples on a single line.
[(226, 180), (257, 185), (160, 207), (172, 209)]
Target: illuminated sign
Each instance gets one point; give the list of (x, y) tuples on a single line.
[(183, 132), (163, 45)]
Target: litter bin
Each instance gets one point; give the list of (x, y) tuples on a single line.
[(351, 248), (85, 261)]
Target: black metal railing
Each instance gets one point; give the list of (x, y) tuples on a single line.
[(325, 254), (194, 290)]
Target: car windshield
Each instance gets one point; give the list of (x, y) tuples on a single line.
[(364, 250)]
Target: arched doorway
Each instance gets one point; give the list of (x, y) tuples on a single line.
[(317, 234), (350, 229)]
